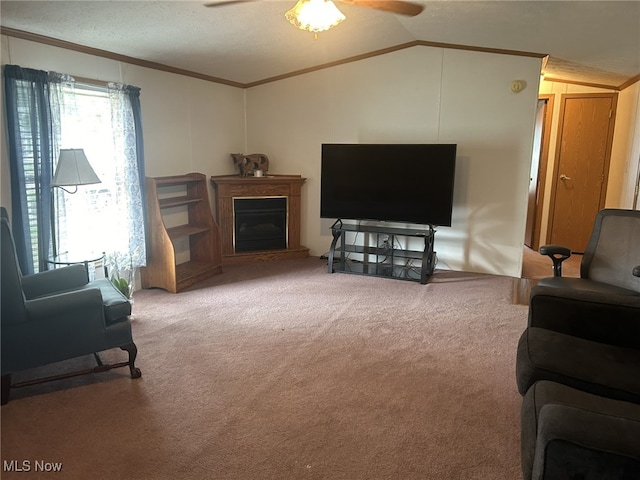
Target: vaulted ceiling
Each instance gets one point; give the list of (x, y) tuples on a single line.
[(592, 42)]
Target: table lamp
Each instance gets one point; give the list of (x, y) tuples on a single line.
[(73, 169)]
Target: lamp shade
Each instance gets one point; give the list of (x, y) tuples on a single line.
[(315, 15), (73, 169)]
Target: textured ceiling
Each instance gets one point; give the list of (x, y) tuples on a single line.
[(588, 42)]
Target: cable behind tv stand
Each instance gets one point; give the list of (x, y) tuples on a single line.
[(385, 257)]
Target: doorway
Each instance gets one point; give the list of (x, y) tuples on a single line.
[(583, 152)]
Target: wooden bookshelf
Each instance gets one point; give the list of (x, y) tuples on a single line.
[(186, 196)]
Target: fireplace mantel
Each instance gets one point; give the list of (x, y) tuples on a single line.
[(230, 187)]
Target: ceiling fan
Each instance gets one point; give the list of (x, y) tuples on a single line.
[(319, 15), (394, 6)]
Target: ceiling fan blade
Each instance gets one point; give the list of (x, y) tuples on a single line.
[(222, 3), (395, 6)]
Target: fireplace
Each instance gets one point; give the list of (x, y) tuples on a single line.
[(259, 217), (260, 224)]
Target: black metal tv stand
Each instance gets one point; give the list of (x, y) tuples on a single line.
[(384, 258)]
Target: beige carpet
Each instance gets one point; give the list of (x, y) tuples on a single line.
[(282, 371)]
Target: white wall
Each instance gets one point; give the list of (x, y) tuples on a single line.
[(422, 94)]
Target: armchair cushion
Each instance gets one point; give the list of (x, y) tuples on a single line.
[(116, 306), (585, 285), (569, 434), (598, 368), (600, 317)]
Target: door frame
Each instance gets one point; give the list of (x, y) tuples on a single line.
[(607, 159), (542, 168), (636, 189)]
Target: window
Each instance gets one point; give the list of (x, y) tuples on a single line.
[(84, 218), (46, 112), (98, 217)]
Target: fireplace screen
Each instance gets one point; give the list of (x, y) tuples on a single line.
[(260, 224)]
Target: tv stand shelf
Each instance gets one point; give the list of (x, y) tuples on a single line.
[(387, 257)]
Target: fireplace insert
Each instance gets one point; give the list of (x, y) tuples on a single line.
[(260, 223)]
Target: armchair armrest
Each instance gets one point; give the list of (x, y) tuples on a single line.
[(64, 305), (599, 317), (572, 442), (636, 271), (54, 281), (57, 327), (558, 254)]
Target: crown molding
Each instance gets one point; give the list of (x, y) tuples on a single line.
[(54, 42), (34, 37)]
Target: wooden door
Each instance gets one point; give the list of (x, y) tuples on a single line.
[(582, 166)]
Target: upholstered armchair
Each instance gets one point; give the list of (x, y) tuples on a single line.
[(58, 315)]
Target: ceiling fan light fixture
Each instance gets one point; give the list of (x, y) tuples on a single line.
[(315, 15)]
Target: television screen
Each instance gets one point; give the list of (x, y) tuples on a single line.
[(410, 183)]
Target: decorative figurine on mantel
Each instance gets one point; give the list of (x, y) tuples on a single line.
[(256, 164)]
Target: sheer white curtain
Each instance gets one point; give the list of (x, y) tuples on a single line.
[(128, 195), (62, 102)]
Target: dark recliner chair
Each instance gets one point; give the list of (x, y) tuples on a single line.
[(578, 362), (58, 315), (609, 259), (578, 369)]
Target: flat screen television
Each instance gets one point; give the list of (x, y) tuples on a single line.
[(409, 183)]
